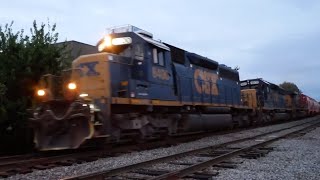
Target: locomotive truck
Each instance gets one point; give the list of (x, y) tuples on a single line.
[(141, 89)]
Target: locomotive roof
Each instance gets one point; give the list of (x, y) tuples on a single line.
[(145, 35), (202, 61), (154, 42), (271, 85), (128, 28), (180, 55)]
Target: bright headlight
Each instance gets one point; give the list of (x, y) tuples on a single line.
[(83, 95), (72, 86), (41, 92), (121, 41), (106, 42)]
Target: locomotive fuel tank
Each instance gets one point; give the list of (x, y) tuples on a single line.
[(206, 122), (281, 116)]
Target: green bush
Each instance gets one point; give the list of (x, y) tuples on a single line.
[(23, 59)]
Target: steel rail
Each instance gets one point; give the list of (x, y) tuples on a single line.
[(123, 169), (202, 165)]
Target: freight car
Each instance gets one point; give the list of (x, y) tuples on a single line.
[(309, 105), (314, 107), (140, 88)]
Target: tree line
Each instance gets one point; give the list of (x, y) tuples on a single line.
[(23, 59)]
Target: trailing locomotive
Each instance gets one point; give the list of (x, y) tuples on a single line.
[(269, 101), (141, 89)]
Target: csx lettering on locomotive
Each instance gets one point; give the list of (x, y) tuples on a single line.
[(206, 82), (91, 68)]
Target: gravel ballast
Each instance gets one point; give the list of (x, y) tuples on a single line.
[(292, 159), (135, 157)]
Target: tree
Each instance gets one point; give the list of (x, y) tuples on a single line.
[(23, 59), (289, 86)]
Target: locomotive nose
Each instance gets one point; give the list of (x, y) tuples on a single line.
[(65, 132)]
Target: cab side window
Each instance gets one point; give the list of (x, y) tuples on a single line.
[(138, 52), (158, 56), (155, 56)]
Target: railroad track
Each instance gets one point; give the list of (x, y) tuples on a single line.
[(15, 157), (27, 165), (23, 164), (198, 163)]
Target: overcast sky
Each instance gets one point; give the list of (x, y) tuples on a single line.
[(277, 40)]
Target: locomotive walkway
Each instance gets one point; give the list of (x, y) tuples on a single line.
[(183, 165)]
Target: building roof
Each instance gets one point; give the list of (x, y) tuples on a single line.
[(77, 48)]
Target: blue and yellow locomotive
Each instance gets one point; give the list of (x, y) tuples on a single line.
[(270, 102), (138, 88)]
